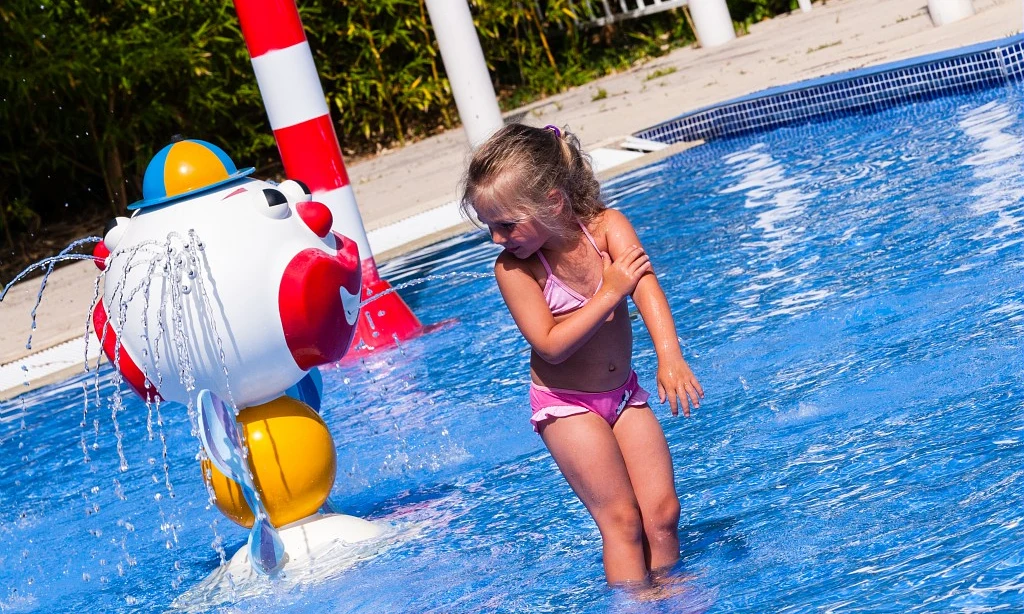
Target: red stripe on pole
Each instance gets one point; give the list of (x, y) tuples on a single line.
[(268, 25), (311, 154)]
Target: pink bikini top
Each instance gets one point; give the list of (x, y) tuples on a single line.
[(559, 296)]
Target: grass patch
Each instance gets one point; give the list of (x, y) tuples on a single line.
[(600, 95), (825, 46), (661, 72)]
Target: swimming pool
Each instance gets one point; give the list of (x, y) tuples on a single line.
[(849, 294)]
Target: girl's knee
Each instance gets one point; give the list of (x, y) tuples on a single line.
[(663, 517), (620, 520)]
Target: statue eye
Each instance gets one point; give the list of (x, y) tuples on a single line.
[(113, 232), (274, 205), (296, 191)]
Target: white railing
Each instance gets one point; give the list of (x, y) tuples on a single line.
[(619, 10)]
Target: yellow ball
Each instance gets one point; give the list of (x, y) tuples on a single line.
[(293, 463)]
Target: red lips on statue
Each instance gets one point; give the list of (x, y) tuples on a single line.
[(319, 303)]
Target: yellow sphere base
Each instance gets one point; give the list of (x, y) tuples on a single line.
[(293, 463)]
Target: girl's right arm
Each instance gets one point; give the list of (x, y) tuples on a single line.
[(557, 341)]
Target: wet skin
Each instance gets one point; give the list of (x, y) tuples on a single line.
[(603, 362)]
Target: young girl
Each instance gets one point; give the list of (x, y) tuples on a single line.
[(568, 265)]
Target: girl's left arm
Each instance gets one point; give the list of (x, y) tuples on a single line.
[(676, 382)]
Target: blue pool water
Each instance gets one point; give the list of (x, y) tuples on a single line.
[(850, 295)]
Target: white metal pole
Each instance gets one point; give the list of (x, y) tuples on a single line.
[(712, 22), (467, 71), (948, 11)]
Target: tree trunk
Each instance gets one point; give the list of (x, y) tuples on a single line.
[(385, 82), (9, 240), (544, 42), (115, 171)]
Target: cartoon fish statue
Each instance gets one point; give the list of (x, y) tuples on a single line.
[(223, 282)]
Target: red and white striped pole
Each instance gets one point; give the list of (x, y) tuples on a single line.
[(301, 121)]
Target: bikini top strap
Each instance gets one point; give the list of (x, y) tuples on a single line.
[(544, 261), (589, 238)]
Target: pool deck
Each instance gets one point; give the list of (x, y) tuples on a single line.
[(401, 191)]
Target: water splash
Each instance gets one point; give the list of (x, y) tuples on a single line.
[(50, 262), (184, 282), (423, 280)]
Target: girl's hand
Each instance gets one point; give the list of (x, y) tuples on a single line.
[(678, 384), (622, 275)]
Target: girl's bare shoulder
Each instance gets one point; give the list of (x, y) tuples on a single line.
[(507, 264), (609, 224), (612, 218)]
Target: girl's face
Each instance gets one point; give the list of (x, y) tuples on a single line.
[(521, 237)]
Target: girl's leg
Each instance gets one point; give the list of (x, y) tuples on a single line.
[(649, 464), (588, 455)]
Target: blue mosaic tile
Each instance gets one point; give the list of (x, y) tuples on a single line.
[(868, 90)]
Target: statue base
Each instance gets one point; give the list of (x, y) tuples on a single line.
[(317, 548)]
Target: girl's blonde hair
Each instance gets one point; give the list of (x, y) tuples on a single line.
[(519, 166)]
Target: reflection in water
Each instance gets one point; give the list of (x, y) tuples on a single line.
[(998, 165), (779, 202)]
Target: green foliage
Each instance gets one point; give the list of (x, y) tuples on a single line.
[(380, 69), (748, 12), (91, 89), (532, 55)]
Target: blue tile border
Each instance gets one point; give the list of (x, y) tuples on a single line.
[(864, 90)]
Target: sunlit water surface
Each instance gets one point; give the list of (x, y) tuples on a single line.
[(850, 295)]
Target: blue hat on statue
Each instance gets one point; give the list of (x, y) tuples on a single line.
[(184, 169)]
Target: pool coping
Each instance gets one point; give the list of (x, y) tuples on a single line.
[(875, 88)]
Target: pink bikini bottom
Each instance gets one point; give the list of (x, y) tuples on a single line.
[(551, 403)]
